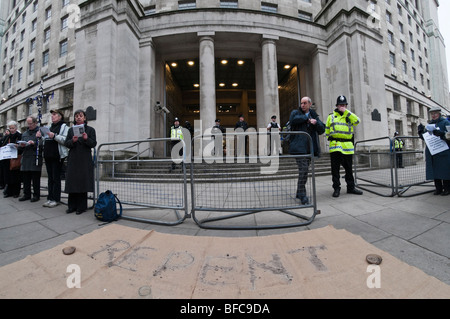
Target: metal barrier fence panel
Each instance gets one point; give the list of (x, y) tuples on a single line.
[(382, 170), (151, 188), (246, 194), (409, 168)]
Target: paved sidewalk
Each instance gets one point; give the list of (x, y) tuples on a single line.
[(416, 229)]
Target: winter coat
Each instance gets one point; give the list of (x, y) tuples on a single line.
[(29, 152), (299, 143), (80, 165), (438, 165), (60, 139)]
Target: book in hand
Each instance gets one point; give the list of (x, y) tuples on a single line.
[(22, 143), (78, 130)]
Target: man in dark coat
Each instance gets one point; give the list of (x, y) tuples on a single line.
[(80, 166), (306, 120), (437, 165), (31, 165)]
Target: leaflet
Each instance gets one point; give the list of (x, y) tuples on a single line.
[(78, 130), (44, 131)]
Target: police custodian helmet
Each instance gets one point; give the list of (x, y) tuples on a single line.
[(341, 100)]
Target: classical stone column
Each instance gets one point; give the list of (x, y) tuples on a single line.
[(207, 80), (270, 77), (260, 113)]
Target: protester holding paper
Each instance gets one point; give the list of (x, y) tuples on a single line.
[(437, 153), (31, 166), (12, 177), (54, 153), (80, 166)]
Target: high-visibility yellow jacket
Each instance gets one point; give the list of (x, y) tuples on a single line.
[(398, 144), (176, 132), (339, 131)]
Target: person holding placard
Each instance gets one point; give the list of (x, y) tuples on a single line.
[(12, 177), (437, 153)]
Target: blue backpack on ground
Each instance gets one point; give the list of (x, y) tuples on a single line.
[(106, 207)]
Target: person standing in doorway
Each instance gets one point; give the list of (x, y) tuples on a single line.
[(340, 133)]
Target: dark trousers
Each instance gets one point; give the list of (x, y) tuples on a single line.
[(399, 160), (338, 159), (77, 202), (303, 168), (31, 177), (54, 167), (442, 185), (11, 178)]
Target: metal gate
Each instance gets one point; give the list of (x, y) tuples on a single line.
[(246, 194), (381, 169), (150, 186)]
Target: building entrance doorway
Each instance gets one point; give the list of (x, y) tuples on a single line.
[(235, 90)]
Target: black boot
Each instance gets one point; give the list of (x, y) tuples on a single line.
[(354, 191), (337, 192)]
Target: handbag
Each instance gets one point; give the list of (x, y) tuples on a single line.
[(14, 163)]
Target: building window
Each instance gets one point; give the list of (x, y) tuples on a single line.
[(48, 13), (304, 15), (392, 59), (63, 48), (45, 58), (404, 67), (269, 7), (396, 102), (150, 10), (229, 3), (390, 37), (187, 4), (32, 45), (31, 67), (34, 25), (46, 34), (19, 75), (65, 3), (64, 22)]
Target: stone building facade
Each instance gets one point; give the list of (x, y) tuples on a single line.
[(127, 59)]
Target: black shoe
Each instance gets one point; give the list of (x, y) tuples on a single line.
[(34, 199), (436, 192), (6, 196), (304, 200), (354, 191), (445, 193), (337, 192), (80, 212), (69, 211), (24, 198)]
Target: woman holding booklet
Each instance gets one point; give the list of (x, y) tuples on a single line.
[(80, 141)]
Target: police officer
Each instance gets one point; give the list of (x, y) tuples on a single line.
[(176, 133), (340, 132), (398, 145)]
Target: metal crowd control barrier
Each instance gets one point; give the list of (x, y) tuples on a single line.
[(381, 169), (242, 195), (148, 186)]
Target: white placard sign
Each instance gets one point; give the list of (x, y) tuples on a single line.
[(8, 152), (434, 143)]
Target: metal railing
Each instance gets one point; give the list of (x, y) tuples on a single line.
[(252, 185), (148, 187), (389, 172)]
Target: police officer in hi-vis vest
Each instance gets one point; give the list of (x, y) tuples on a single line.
[(339, 131), (176, 132), (398, 145)]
